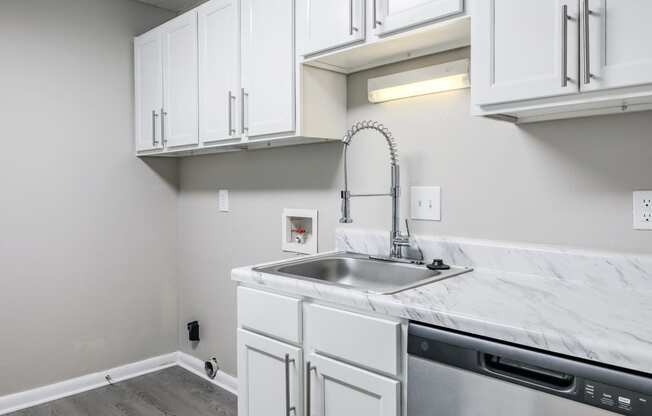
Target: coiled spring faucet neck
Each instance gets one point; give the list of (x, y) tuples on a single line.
[(374, 125), (396, 238)]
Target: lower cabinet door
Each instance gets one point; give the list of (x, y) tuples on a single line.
[(338, 389), (270, 377)]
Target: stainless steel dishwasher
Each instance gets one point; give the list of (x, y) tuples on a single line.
[(453, 374)]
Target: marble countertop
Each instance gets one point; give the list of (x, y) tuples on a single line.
[(595, 306)]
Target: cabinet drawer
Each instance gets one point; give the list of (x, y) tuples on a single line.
[(269, 313), (370, 342)]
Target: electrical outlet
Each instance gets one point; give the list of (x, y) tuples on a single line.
[(425, 203), (223, 200), (643, 210)]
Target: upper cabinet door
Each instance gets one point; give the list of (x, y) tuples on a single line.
[(268, 76), (338, 389), (618, 48), (219, 69), (524, 49), (148, 78), (328, 24), (270, 377), (180, 116), (393, 15)]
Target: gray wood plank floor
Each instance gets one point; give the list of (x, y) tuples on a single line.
[(170, 392)]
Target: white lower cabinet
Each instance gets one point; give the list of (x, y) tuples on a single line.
[(336, 388), (315, 377), (269, 376)]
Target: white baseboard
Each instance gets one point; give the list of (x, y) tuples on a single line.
[(196, 366), (40, 395)]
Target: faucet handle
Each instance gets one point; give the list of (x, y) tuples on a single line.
[(411, 243)]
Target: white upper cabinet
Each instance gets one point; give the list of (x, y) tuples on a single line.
[(393, 15), (618, 49), (268, 67), (337, 389), (149, 90), (270, 377), (544, 60), (348, 36), (330, 23), (224, 77), (524, 49), (180, 87), (219, 70)]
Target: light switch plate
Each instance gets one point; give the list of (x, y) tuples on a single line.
[(223, 199), (425, 203), (643, 210)]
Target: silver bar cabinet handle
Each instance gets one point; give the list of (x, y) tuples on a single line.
[(243, 95), (352, 28), (288, 408), (375, 14), (308, 369), (587, 45), (231, 99), (564, 45), (154, 141), (163, 114)]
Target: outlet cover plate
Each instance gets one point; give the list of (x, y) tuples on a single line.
[(223, 200), (643, 210), (425, 203)]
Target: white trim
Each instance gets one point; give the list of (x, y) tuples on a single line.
[(196, 366), (23, 400)]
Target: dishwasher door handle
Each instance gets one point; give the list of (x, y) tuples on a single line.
[(528, 374)]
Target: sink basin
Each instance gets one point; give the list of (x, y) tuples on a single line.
[(361, 272)]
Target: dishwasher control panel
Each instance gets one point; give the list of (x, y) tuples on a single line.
[(615, 399)]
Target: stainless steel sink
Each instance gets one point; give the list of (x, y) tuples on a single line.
[(361, 272)]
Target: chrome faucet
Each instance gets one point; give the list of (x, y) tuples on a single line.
[(398, 241)]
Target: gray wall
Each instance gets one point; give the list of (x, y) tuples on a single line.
[(87, 231), (562, 182)]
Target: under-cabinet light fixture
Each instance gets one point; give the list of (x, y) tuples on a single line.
[(432, 79)]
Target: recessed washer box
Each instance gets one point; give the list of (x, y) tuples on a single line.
[(300, 230), (643, 210)]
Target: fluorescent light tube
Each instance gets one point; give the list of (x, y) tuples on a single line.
[(429, 80)]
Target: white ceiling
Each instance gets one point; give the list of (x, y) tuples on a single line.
[(174, 5)]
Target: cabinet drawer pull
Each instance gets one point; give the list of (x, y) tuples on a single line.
[(309, 368), (375, 14), (163, 114), (564, 45), (231, 100), (243, 110), (154, 141), (352, 29), (288, 408), (587, 44)]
